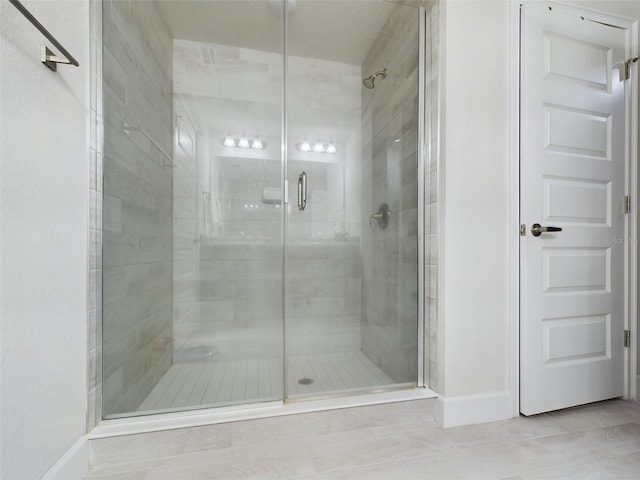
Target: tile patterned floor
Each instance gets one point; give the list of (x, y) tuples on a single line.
[(395, 441), (232, 382)]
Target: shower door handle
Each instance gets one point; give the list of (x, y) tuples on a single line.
[(302, 191)]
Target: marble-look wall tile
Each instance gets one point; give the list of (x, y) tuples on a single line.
[(236, 290), (94, 304), (431, 200)]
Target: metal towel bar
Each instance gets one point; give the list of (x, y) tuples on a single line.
[(128, 129), (48, 58)]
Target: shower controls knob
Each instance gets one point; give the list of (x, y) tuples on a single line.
[(381, 216)]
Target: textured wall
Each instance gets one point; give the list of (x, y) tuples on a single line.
[(44, 205), (137, 204), (390, 141)]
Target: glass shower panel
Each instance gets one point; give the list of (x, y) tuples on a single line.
[(193, 212), (352, 250)]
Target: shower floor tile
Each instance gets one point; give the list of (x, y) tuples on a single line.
[(196, 384)]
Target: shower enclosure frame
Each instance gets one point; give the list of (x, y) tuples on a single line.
[(99, 427)]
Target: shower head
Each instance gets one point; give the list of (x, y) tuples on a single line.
[(370, 81)]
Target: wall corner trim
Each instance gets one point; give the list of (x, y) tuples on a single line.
[(73, 465), (472, 409)]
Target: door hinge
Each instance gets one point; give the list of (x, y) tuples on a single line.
[(523, 230), (625, 71), (627, 204), (627, 338)]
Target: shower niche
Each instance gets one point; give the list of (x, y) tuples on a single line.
[(246, 154)]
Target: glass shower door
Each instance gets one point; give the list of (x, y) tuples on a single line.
[(229, 282), (193, 211), (215, 291), (351, 283)]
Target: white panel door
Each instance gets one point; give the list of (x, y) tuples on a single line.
[(573, 160)]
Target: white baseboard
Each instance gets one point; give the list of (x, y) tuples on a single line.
[(471, 409), (73, 465)]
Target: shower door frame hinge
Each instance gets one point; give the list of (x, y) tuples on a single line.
[(627, 204), (625, 71), (627, 338), (523, 230)]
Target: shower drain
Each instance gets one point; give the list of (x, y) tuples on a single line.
[(305, 381)]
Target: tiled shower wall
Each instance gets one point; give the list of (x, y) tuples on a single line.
[(237, 305), (431, 192), (390, 163), (94, 303), (137, 202)]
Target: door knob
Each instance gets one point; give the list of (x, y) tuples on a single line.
[(537, 229)]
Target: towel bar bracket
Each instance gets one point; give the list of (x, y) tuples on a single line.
[(51, 60), (47, 56)]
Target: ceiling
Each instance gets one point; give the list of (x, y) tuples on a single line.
[(338, 30)]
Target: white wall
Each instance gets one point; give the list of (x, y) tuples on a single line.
[(473, 327), (474, 322), (43, 243)]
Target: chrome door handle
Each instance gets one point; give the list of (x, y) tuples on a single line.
[(302, 191), (537, 229)]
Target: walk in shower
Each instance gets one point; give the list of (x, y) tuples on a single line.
[(262, 201)]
